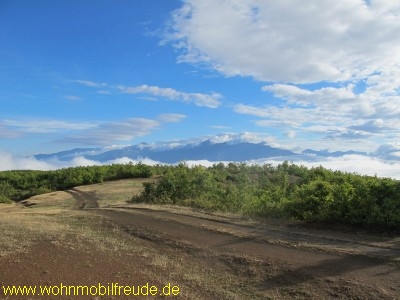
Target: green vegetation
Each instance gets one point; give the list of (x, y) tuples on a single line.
[(19, 185), (287, 190)]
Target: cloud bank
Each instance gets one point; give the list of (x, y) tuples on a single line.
[(349, 163), (15, 162)]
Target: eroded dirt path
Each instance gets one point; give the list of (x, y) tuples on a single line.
[(293, 258), (83, 199), (330, 242)]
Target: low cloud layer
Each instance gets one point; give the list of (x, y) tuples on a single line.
[(15, 162), (358, 164), (349, 163)]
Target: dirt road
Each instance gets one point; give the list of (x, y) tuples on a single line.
[(297, 257)]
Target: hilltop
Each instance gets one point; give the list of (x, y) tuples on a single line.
[(89, 234)]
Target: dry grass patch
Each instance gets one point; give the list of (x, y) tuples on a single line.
[(20, 227), (52, 216)]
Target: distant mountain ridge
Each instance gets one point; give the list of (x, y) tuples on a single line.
[(206, 150), (66, 155), (203, 151), (235, 150)]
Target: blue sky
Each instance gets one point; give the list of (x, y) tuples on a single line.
[(316, 74)]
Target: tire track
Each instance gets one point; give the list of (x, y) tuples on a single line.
[(84, 200)]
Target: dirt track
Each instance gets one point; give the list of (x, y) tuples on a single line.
[(244, 259), (300, 256)]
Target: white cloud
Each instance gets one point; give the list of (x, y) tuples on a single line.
[(249, 137), (203, 163), (111, 132), (219, 127), (385, 164), (82, 161), (350, 163), (295, 95), (104, 92), (349, 48), (212, 100), (12, 162), (289, 41), (72, 98), (7, 133), (107, 133), (291, 134), (336, 113), (208, 100), (44, 126), (359, 164), (171, 118), (89, 83), (126, 160), (86, 133)]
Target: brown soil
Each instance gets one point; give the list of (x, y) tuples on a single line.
[(209, 256)]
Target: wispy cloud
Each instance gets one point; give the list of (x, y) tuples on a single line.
[(43, 126), (219, 127), (72, 98), (7, 133), (113, 132), (87, 133), (106, 133), (152, 92), (103, 92), (89, 83), (200, 99), (171, 118)]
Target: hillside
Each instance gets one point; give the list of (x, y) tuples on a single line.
[(89, 235)]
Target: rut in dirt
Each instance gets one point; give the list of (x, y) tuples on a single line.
[(300, 265), (270, 234), (84, 200)]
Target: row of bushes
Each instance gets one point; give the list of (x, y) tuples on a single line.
[(22, 184), (287, 190)]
